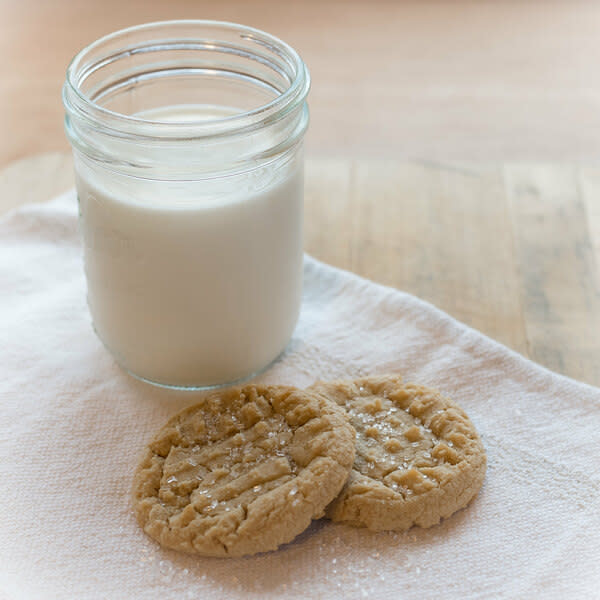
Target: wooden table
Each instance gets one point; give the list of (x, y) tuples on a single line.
[(409, 79), (417, 108), (510, 250)]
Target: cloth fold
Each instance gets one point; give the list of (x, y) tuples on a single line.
[(73, 425)]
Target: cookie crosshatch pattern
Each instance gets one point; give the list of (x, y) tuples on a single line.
[(248, 469), (244, 471), (418, 456)]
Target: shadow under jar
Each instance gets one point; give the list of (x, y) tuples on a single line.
[(187, 143)]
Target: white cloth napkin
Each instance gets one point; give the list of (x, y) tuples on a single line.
[(73, 424)]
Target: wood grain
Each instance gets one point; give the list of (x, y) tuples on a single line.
[(508, 250), (330, 211), (589, 184), (557, 269), (441, 232)]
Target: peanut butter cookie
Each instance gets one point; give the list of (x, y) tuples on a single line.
[(418, 456), (244, 471)]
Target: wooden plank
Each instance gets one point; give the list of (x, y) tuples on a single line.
[(557, 270), (328, 211), (441, 232), (589, 184)]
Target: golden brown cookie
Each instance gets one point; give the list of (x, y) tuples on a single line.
[(244, 471), (418, 456)]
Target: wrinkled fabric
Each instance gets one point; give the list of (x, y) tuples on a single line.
[(73, 425)]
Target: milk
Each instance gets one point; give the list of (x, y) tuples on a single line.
[(193, 283)]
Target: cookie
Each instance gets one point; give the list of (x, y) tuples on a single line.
[(244, 471), (418, 456)]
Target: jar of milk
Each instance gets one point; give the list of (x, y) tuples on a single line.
[(187, 142)]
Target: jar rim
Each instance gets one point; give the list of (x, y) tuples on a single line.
[(79, 105)]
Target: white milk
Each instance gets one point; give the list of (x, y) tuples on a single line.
[(190, 288)]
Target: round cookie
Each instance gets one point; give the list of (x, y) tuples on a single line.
[(418, 456), (244, 471)]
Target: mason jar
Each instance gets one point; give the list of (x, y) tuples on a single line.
[(187, 144)]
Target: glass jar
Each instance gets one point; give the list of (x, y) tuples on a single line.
[(187, 143)]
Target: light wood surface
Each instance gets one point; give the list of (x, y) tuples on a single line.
[(417, 106), (510, 250), (427, 79)]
